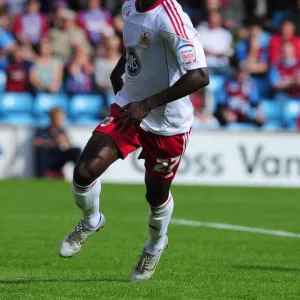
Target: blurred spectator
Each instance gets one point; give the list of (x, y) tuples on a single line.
[(96, 21), (3, 5), (285, 76), (105, 65), (62, 4), (237, 99), (201, 118), (67, 35), (17, 72), (118, 25), (31, 26), (15, 6), (53, 148), (253, 52), (216, 41), (47, 73), (287, 34), (80, 71), (7, 42), (232, 11)]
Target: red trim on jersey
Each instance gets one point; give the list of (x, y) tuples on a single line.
[(180, 19), (171, 18), (171, 11), (175, 18), (159, 2)]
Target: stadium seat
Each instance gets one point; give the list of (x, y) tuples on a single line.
[(85, 109), (241, 127), (18, 120), (206, 126), (216, 83), (15, 102), (271, 110), (3, 79), (263, 86), (45, 102), (111, 98), (291, 112), (16, 108), (86, 122), (272, 126)]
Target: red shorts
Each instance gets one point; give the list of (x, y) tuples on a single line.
[(162, 154)]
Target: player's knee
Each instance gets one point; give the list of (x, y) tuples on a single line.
[(83, 174), (156, 198)]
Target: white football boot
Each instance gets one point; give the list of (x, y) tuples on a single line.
[(147, 264), (74, 240)]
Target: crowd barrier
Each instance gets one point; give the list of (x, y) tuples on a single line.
[(212, 158)]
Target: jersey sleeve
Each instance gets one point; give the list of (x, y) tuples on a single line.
[(126, 7), (177, 30)]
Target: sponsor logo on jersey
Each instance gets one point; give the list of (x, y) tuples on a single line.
[(187, 55), (145, 39), (106, 121), (133, 65)]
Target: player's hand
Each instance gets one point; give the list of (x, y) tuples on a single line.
[(132, 114)]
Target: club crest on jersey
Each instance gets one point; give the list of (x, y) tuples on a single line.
[(145, 39), (106, 121), (187, 55)]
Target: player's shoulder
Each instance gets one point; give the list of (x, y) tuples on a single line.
[(173, 20), (127, 6)]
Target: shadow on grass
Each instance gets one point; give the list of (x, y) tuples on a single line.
[(266, 268), (29, 281)]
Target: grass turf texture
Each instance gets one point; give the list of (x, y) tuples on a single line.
[(200, 263)]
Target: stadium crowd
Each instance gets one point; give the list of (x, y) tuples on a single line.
[(70, 47)]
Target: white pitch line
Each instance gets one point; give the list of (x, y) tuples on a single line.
[(234, 228)]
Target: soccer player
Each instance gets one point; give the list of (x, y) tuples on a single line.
[(163, 63)]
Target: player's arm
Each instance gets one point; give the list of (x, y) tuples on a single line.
[(189, 83), (135, 112), (117, 73)]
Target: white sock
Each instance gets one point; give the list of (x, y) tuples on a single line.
[(88, 200), (159, 219)]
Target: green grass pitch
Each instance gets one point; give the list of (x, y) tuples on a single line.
[(200, 263)]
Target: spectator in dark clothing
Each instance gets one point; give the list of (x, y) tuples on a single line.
[(53, 148), (238, 99), (17, 72)]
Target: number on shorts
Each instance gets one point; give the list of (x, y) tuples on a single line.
[(166, 165)]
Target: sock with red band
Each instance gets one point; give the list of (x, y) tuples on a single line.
[(87, 199), (159, 219)]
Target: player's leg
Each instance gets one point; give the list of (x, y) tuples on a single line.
[(161, 205), (105, 147), (99, 153), (162, 157)]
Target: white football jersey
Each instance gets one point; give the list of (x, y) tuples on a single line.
[(161, 45)]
